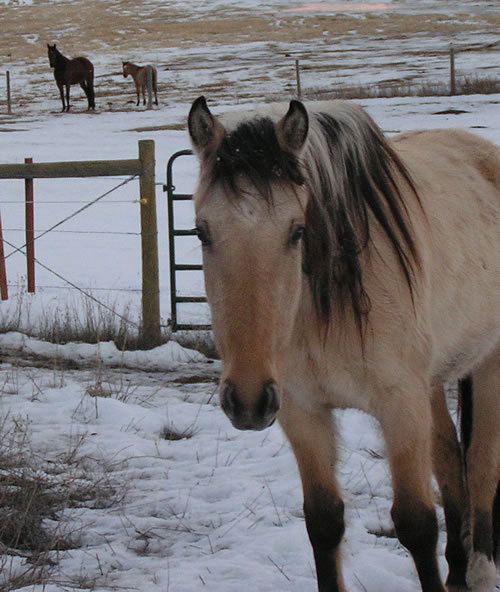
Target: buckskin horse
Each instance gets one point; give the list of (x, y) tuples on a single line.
[(72, 71), (140, 77), (347, 269)]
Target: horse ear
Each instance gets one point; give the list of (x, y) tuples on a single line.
[(292, 129), (205, 130)]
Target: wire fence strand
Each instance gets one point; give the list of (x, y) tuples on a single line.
[(79, 211), (81, 290), (77, 232)]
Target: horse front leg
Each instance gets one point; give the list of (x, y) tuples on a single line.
[(138, 93), (312, 439), (61, 93), (406, 421), (448, 470), (483, 473), (67, 97)]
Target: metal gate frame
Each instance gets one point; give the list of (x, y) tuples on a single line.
[(172, 233)]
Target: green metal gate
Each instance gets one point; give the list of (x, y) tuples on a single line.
[(176, 268)]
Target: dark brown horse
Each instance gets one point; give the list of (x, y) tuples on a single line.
[(72, 71)]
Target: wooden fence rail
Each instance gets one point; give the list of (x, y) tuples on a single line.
[(144, 168)]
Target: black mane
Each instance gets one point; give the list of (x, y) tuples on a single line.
[(354, 185), (352, 175)]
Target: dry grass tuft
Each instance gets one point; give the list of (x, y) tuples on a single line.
[(80, 319), (173, 434), (36, 499), (466, 85)]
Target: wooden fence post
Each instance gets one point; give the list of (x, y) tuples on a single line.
[(4, 293), (452, 70), (9, 107), (30, 231), (151, 332), (297, 77)]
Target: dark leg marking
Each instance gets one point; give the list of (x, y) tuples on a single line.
[(455, 553), (496, 525), (482, 541), (324, 514), (417, 529)]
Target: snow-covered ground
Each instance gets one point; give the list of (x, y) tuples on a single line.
[(219, 510)]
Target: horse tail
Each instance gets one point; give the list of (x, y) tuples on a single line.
[(90, 84), (91, 94), (466, 408)]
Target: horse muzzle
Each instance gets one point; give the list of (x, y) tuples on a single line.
[(245, 416)]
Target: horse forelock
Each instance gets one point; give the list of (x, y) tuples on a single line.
[(251, 151), (355, 180)]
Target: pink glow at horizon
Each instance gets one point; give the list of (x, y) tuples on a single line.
[(339, 7)]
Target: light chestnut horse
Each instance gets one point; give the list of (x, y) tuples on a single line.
[(140, 77), (344, 269)]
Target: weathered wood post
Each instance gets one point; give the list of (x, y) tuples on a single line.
[(30, 230), (151, 332), (149, 80), (297, 77), (452, 70), (4, 293), (9, 105)]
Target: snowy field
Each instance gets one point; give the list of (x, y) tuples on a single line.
[(217, 510)]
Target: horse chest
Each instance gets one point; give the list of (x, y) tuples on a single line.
[(327, 381)]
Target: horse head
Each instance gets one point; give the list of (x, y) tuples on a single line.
[(250, 218), (52, 53), (125, 69)]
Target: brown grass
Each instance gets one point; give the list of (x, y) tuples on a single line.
[(35, 493), (467, 85), (120, 26), (111, 31)]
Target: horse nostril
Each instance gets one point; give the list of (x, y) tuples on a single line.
[(269, 402), (229, 399)]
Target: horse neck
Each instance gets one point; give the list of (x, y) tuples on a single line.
[(60, 59), (133, 69)]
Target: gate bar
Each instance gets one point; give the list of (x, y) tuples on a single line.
[(175, 267)]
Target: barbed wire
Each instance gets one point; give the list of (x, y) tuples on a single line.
[(79, 211), (476, 48), (76, 231), (67, 201), (78, 289), (93, 288)]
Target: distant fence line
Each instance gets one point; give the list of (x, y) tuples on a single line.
[(453, 50), (144, 168)]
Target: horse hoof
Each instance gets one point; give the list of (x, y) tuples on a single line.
[(481, 574)]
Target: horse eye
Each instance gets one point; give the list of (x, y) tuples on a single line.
[(202, 235), (297, 235)]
